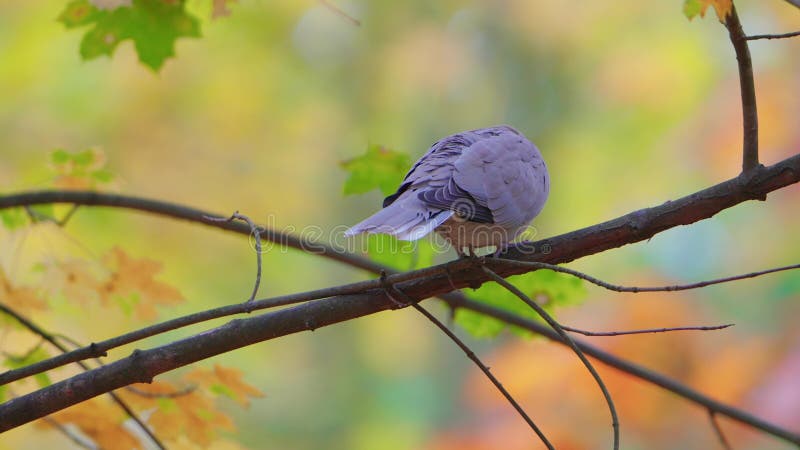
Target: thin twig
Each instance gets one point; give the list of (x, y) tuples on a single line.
[(32, 327), (748, 91), (63, 221), (636, 289), (35, 216), (552, 322), (633, 227), (645, 331), (255, 231), (474, 358), (338, 11), (773, 36), (712, 416)]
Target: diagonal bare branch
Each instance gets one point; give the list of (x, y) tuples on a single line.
[(723, 441), (474, 358), (568, 340), (39, 331), (634, 227)]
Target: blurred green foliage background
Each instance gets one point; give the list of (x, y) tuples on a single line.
[(630, 103)]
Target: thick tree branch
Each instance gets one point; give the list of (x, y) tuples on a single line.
[(748, 90), (98, 349), (634, 227), (141, 366)]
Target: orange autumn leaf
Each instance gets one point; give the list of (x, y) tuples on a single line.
[(227, 382), (101, 421), (564, 394), (135, 278), (193, 415), (721, 7), (220, 8), (179, 413), (19, 298)]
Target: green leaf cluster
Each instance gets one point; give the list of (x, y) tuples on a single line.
[(35, 355), (152, 25), (87, 165), (379, 168), (550, 289), (691, 8)]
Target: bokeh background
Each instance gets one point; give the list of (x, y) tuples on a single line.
[(630, 103)]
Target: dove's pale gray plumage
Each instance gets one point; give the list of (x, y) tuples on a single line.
[(477, 188)]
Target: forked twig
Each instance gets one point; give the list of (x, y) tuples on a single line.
[(39, 331), (558, 329), (255, 231), (747, 89), (389, 288)]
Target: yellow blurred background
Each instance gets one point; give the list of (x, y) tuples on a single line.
[(631, 104)]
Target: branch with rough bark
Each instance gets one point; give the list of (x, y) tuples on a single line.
[(142, 366), (748, 90)]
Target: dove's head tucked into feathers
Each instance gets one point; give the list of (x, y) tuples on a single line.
[(477, 188)]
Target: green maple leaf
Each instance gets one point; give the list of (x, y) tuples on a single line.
[(380, 168), (152, 25), (550, 289)]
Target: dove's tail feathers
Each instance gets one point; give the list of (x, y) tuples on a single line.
[(401, 221)]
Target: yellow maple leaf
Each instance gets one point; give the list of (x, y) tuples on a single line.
[(226, 382), (192, 415), (135, 277), (74, 279), (80, 170), (189, 416), (19, 298), (100, 420)]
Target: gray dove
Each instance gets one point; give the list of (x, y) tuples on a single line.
[(476, 189)]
